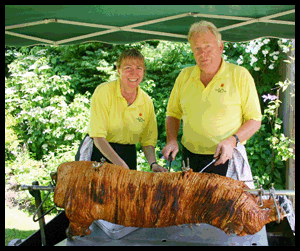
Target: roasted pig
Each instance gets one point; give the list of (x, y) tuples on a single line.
[(90, 191)]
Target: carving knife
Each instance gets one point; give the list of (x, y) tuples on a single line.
[(213, 161)]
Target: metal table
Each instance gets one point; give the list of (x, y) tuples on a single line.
[(184, 235)]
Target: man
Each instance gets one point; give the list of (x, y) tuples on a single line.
[(217, 102)]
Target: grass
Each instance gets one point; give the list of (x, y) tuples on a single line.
[(18, 225)]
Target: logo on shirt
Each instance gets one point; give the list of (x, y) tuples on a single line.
[(221, 89), (140, 119)]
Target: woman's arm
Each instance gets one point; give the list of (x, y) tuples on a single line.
[(106, 149), (150, 156)]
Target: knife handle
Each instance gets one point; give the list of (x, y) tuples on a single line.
[(170, 161), (170, 157)]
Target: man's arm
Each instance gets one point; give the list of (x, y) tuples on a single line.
[(106, 149), (172, 128), (225, 147)]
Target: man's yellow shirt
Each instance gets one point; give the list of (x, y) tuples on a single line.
[(213, 113), (117, 122)]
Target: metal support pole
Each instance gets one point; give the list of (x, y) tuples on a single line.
[(38, 200)]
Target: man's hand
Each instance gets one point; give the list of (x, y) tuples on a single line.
[(172, 128), (126, 166), (171, 147), (225, 150), (157, 168)]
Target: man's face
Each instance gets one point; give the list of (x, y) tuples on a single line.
[(207, 51)]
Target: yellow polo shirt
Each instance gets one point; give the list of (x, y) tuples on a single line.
[(117, 122), (213, 113)]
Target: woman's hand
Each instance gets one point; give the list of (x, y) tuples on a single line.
[(150, 156), (108, 152), (157, 168)]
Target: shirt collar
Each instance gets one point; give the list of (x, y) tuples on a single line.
[(139, 99), (222, 72)]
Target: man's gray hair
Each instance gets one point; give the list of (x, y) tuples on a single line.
[(199, 26)]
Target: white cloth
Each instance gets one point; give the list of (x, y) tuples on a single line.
[(238, 166), (86, 149)]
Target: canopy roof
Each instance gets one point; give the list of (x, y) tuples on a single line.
[(121, 24)]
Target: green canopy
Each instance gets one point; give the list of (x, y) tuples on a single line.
[(120, 24)]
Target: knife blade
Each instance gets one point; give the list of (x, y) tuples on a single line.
[(213, 161)]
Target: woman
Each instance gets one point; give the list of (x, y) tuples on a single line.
[(122, 114)]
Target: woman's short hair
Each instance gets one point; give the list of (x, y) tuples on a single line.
[(130, 53), (199, 26)]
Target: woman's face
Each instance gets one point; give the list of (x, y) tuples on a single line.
[(131, 72)]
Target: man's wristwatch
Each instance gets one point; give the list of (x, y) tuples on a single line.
[(152, 164), (237, 139)]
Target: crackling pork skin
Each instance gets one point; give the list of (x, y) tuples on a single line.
[(131, 198)]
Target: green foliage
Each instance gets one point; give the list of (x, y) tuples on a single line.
[(269, 148), (88, 64), (47, 113), (265, 164), (11, 138)]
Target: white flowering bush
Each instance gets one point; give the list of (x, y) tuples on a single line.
[(261, 57), (46, 111)]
